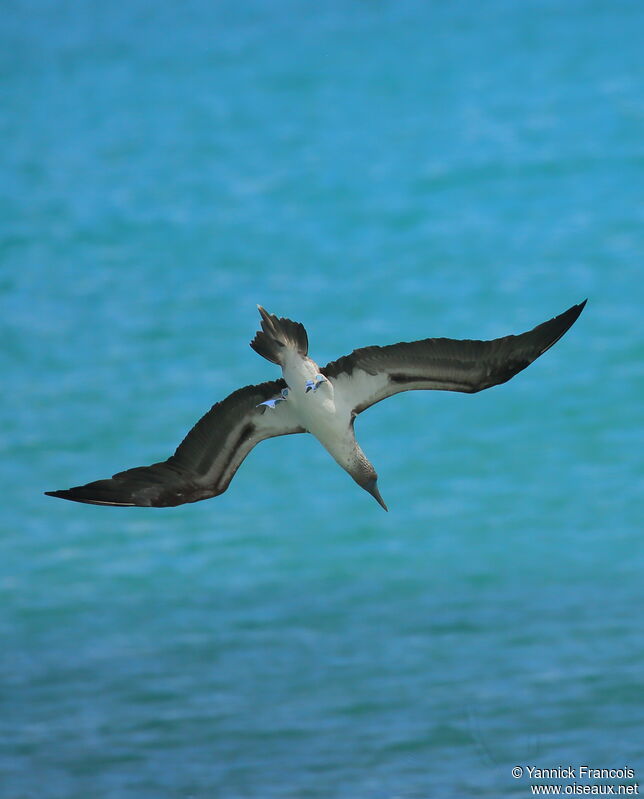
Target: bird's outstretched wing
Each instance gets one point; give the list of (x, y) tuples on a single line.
[(205, 461), (371, 374)]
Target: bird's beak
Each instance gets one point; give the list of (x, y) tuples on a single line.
[(372, 488)]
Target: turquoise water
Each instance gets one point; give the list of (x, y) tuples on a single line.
[(381, 171)]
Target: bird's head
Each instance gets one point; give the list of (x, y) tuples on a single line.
[(366, 477)]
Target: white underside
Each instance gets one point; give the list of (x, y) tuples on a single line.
[(325, 412)]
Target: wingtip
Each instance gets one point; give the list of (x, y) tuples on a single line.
[(574, 312), (62, 493), (76, 495)]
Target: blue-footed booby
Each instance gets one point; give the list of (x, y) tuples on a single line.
[(322, 401)]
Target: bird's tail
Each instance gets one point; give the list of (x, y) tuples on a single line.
[(278, 335)]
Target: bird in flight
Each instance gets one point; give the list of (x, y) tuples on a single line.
[(323, 401)]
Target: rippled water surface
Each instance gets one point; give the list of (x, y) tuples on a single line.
[(382, 171)]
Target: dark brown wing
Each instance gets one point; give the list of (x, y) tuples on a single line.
[(205, 461), (371, 374)]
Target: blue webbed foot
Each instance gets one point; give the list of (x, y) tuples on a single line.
[(271, 403), (313, 385)]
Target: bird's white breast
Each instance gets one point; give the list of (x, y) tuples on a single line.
[(319, 411)]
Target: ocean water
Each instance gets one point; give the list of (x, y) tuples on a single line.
[(381, 171)]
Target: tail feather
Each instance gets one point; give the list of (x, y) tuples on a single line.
[(278, 334)]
